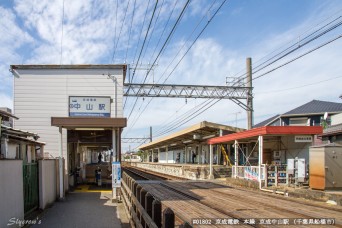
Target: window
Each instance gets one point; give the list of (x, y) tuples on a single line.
[(303, 121)]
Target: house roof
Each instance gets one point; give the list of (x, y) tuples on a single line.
[(7, 114), (316, 107), (267, 121), (205, 129), (268, 130), (333, 130)]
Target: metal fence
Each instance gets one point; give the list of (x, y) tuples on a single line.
[(31, 188)]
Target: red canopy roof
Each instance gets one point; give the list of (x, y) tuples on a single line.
[(268, 130)]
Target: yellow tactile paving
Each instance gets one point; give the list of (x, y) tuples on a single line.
[(85, 188)]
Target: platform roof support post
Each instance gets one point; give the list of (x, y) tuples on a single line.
[(60, 164), (114, 147), (261, 148), (211, 176), (152, 155), (236, 157)]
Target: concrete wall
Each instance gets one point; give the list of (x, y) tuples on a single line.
[(11, 191), (47, 182), (42, 93)]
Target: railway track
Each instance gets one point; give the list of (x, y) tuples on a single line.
[(231, 202)]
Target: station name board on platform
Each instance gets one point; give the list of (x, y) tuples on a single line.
[(89, 106)]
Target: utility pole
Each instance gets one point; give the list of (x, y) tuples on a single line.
[(250, 94), (236, 118), (150, 133)]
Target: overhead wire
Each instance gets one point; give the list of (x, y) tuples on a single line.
[(295, 46), (138, 115), (116, 22), (142, 48), (164, 45), (298, 57), (117, 42), (153, 28), (298, 87), (147, 32), (141, 30), (211, 104), (192, 46), (137, 47), (61, 57), (130, 30), (165, 26)]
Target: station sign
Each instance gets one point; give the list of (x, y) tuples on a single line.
[(303, 138), (116, 175), (89, 106)]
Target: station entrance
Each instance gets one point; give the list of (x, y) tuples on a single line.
[(90, 143), (88, 151)]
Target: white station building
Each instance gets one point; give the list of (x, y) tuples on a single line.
[(76, 109)]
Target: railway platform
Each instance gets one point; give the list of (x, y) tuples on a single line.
[(87, 206)]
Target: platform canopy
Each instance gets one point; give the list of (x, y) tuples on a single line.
[(267, 131), (198, 132), (88, 122)]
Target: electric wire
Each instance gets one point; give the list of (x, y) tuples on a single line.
[(295, 47), (306, 53), (298, 57), (116, 22), (298, 87), (165, 26), (117, 42), (191, 47), (147, 32), (169, 36), (153, 28), (141, 30), (307, 30), (61, 57), (130, 30), (259, 76)]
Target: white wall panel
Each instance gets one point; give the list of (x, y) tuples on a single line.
[(40, 94)]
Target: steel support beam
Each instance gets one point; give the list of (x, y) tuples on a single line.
[(186, 91), (134, 140)]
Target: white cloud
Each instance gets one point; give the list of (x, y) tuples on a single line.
[(6, 101), (31, 34)]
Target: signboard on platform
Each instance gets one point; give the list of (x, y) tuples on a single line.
[(251, 173), (303, 138), (116, 175), (89, 106)]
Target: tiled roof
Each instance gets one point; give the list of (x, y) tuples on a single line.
[(316, 106), (266, 122)]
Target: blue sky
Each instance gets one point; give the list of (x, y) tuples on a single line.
[(31, 34)]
